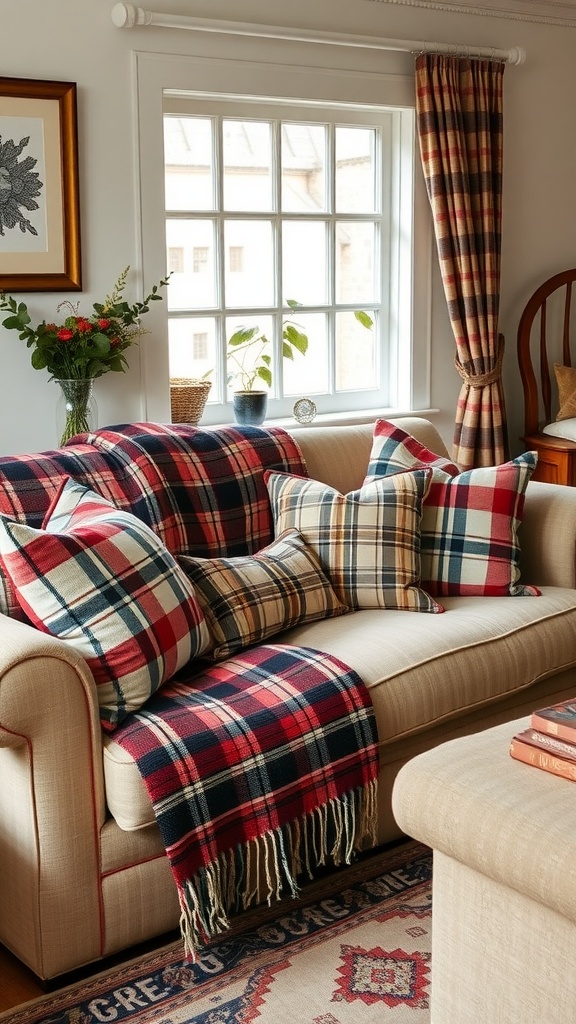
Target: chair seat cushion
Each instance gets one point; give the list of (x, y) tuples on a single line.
[(480, 651), (562, 428)]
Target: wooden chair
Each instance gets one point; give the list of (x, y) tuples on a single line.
[(544, 339)]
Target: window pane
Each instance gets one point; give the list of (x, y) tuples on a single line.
[(355, 354), (189, 169), (253, 284), (304, 262), (308, 374), (303, 168), (247, 151), (193, 285), (192, 342), (355, 170), (245, 358), (355, 262)]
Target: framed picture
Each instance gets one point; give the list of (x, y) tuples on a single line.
[(39, 203)]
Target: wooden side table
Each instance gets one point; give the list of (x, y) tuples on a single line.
[(556, 458)]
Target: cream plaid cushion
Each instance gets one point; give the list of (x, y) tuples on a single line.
[(102, 581), (251, 597), (368, 541)]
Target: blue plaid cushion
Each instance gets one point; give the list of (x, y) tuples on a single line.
[(102, 581), (470, 520), (368, 541)]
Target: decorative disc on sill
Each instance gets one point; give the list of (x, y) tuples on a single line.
[(304, 410)]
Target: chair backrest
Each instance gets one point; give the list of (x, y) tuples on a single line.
[(544, 339)]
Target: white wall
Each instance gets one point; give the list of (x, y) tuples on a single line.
[(75, 40)]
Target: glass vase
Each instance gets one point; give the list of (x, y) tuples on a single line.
[(76, 409)]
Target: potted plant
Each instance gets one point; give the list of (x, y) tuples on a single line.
[(250, 361)]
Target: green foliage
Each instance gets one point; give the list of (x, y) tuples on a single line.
[(249, 351), (364, 318)]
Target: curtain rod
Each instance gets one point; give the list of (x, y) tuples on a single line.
[(125, 15)]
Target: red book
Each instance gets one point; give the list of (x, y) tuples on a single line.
[(550, 743), (557, 720), (532, 755)]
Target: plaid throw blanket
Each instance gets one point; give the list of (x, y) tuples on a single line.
[(259, 768)]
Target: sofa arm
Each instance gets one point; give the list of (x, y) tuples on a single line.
[(51, 801), (547, 535)]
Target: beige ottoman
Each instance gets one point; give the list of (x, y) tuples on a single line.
[(504, 880)]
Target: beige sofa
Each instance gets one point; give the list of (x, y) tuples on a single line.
[(78, 883)]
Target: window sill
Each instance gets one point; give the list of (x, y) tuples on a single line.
[(341, 419)]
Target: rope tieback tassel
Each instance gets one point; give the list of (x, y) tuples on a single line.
[(482, 380)]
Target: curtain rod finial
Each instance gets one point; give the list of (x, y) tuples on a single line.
[(127, 15), (517, 55)]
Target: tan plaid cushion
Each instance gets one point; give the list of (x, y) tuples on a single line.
[(368, 541), (251, 597), (566, 381)]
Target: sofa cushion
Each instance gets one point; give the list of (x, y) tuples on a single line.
[(250, 598), (476, 655), (470, 520), (368, 541), (101, 580)]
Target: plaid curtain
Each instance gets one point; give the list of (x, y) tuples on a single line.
[(459, 115)]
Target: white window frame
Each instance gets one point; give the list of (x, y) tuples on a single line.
[(158, 74)]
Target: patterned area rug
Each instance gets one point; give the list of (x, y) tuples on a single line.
[(354, 948)]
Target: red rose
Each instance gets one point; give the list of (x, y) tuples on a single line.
[(83, 325), (103, 324), (65, 334)]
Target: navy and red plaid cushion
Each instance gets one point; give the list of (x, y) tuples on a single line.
[(470, 520), (102, 581), (368, 541), (250, 598)]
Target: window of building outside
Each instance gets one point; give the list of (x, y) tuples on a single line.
[(175, 260), (199, 346), (306, 205)]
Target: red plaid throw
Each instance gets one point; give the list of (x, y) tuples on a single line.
[(202, 491), (210, 496), (258, 768)]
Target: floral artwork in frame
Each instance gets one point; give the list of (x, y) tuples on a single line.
[(39, 202)]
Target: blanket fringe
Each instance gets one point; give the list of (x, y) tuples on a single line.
[(266, 867)]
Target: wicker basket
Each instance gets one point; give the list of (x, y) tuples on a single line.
[(188, 398)]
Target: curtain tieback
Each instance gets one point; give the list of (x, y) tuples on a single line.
[(482, 380)]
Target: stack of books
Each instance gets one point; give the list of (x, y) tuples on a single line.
[(550, 742)]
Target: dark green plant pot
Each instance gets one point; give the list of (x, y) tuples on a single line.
[(250, 407)]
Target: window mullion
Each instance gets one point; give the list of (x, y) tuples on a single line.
[(220, 256), (331, 228), (278, 375)]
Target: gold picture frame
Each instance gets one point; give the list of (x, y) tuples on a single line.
[(39, 200)]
